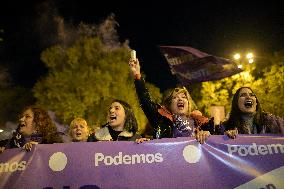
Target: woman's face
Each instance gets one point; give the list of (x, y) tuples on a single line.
[(79, 132), (247, 101), (116, 116), (27, 123), (179, 104)]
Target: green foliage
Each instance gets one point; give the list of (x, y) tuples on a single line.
[(213, 94), (87, 75), (271, 90), (265, 77), (220, 92)]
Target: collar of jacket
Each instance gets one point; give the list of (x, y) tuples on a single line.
[(103, 134), (165, 112), (199, 118), (196, 115)]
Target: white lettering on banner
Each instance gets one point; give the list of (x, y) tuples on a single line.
[(12, 166), (179, 59), (254, 149), (127, 159)]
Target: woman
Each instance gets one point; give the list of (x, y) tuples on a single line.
[(175, 118), (79, 130), (247, 116), (35, 127), (121, 126)]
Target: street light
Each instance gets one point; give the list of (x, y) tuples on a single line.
[(238, 57), (240, 66), (249, 56)]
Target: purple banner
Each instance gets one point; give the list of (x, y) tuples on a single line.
[(191, 65), (250, 161)]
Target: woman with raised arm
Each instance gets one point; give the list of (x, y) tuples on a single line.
[(175, 118)]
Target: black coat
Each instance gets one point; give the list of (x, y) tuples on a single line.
[(161, 119)]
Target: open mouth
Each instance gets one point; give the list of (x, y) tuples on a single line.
[(180, 106), (78, 134), (112, 117), (248, 104), (22, 125)]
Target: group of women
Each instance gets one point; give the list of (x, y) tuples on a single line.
[(176, 117)]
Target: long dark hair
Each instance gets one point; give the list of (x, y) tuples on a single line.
[(130, 124), (234, 120)]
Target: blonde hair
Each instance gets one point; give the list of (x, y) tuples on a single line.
[(170, 93), (77, 120)]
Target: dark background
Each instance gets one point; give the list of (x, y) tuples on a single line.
[(220, 28)]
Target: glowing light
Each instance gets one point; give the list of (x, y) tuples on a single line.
[(1, 130), (249, 56), (251, 60), (237, 56)]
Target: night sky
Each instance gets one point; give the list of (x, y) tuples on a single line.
[(214, 27)]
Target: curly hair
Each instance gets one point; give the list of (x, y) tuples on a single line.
[(168, 96), (44, 125), (234, 120), (130, 124)]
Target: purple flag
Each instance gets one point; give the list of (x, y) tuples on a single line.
[(191, 65)]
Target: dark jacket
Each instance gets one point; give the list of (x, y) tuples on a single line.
[(103, 134), (18, 140), (159, 117), (269, 124)]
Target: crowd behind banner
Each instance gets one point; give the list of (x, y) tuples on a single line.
[(176, 117)]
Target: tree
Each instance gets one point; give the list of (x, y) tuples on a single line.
[(87, 73), (221, 92), (271, 91), (265, 77)]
